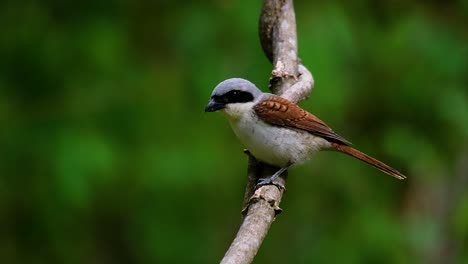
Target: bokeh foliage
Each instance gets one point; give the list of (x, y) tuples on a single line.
[(106, 155)]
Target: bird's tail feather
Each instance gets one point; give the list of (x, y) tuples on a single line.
[(369, 160)]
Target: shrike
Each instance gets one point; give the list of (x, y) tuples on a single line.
[(277, 131)]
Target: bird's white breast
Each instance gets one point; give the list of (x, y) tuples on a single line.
[(274, 145)]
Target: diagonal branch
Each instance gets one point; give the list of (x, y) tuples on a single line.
[(291, 80)]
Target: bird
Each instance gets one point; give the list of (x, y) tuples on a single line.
[(277, 131)]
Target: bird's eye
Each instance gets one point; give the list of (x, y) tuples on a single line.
[(237, 96), (234, 96)]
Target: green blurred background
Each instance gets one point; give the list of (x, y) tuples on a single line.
[(106, 155)]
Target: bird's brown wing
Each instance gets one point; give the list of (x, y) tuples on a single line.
[(281, 112)]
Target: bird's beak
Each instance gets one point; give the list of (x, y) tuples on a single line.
[(213, 106)]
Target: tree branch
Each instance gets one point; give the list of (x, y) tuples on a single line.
[(291, 80)]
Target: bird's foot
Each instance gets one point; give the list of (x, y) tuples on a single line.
[(269, 181), (272, 180)]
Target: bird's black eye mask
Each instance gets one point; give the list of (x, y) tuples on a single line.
[(234, 96)]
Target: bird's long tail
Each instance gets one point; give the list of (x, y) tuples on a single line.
[(369, 160)]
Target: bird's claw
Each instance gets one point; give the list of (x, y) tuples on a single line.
[(269, 181)]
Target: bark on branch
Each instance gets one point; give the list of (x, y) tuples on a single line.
[(289, 79)]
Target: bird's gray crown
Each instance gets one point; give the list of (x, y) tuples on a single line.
[(236, 84)]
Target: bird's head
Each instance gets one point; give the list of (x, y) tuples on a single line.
[(233, 97)]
